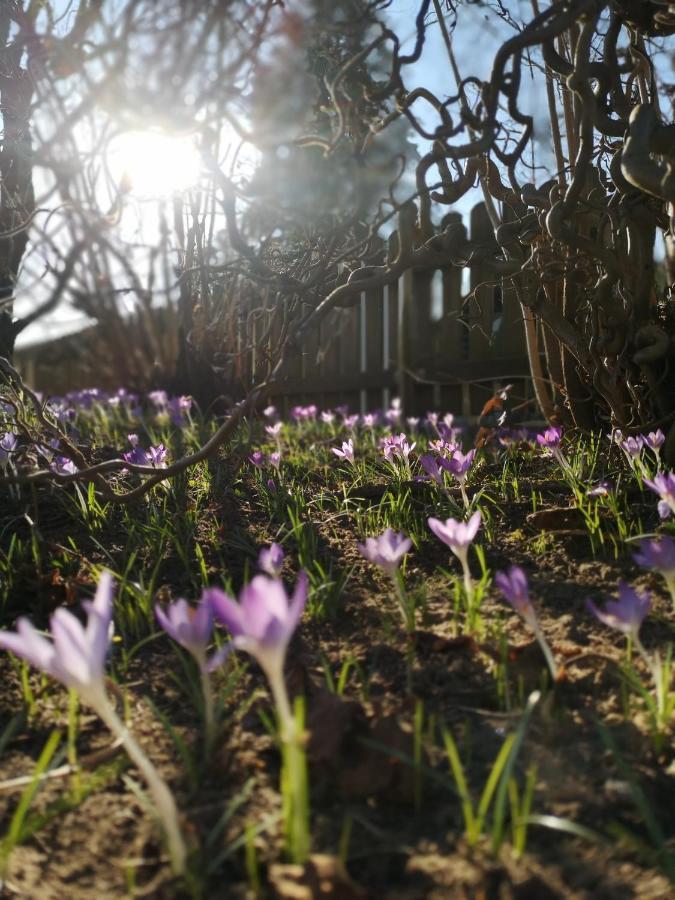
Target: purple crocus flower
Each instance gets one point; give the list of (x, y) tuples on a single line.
[(459, 464), (654, 440), (327, 417), (274, 459), (443, 447), (458, 536), (274, 430), (157, 456), (178, 409), (8, 445), (159, 398), (663, 484), (625, 614), (387, 550), (347, 451), (271, 560), (262, 624), (189, 626), (601, 489), (632, 446), (63, 466), (76, 655), (396, 445), (513, 585), (263, 621), (431, 466), (659, 555), (351, 422), (136, 456), (413, 422), (369, 420), (550, 439), (258, 458)]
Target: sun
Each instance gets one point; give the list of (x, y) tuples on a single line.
[(153, 165)]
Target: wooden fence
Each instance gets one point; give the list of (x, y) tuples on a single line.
[(439, 339)]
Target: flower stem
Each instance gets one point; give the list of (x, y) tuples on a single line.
[(407, 613), (545, 649), (162, 796), (275, 676), (209, 717)]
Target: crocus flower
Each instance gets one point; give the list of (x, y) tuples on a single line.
[(157, 456), (76, 657), (351, 422), (274, 430), (550, 439), (443, 447), (270, 412), (655, 440), (663, 484), (387, 550), (625, 614), (274, 459), (601, 489), (413, 422), (63, 466), (659, 555), (458, 536), (549, 443), (369, 420), (8, 445), (430, 465), (513, 585), (258, 459), (304, 413), (632, 446), (459, 465), (347, 451), (397, 446), (262, 624), (179, 409), (327, 417), (159, 398), (189, 626), (271, 560), (192, 628)]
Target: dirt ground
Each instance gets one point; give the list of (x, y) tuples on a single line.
[(400, 828)]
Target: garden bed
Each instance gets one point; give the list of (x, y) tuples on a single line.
[(378, 700)]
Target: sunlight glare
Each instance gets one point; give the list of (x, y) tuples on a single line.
[(153, 165)]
